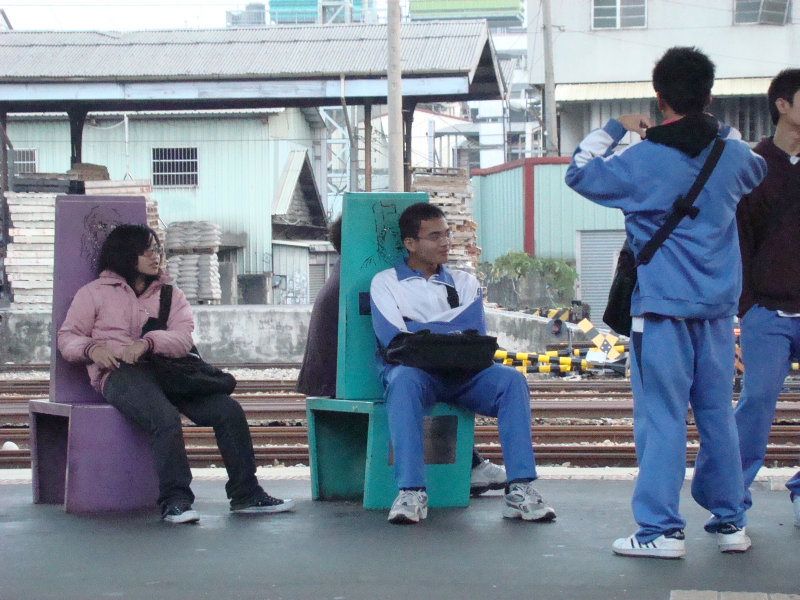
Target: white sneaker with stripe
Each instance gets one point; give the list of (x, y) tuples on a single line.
[(661, 547)]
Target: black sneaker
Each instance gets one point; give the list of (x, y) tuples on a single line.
[(179, 513), (262, 503)]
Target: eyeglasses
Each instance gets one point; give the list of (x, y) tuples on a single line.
[(152, 251), (437, 236)]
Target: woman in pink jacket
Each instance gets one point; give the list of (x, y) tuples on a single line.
[(103, 328)]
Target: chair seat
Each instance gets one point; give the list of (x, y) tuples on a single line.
[(89, 458), (351, 455)]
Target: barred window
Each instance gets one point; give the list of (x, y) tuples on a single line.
[(25, 160), (766, 12), (174, 167), (619, 14)]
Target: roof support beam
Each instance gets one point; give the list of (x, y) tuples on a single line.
[(77, 117)]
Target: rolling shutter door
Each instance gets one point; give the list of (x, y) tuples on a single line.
[(597, 253)]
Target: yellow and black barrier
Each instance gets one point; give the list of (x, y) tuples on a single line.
[(605, 342)]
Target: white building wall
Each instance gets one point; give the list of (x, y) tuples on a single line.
[(584, 55)]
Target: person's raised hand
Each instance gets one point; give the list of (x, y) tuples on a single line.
[(638, 123)]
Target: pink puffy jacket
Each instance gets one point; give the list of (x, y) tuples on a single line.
[(107, 311)]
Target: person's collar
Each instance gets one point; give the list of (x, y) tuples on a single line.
[(406, 272), (690, 134)]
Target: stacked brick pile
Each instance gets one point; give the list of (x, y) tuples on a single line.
[(451, 190), (29, 261)]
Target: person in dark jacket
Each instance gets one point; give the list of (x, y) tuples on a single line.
[(769, 234), (318, 370)]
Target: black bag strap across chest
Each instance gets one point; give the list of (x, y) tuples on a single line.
[(452, 296), (164, 304), (683, 206)]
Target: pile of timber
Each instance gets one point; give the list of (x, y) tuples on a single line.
[(29, 259), (451, 190), (29, 262)]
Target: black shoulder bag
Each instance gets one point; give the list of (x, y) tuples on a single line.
[(188, 375), (618, 309), (443, 353)]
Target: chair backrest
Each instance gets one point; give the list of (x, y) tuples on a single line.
[(81, 226), (370, 243)]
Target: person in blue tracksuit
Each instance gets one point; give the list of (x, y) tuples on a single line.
[(682, 344), (418, 294), (769, 234)]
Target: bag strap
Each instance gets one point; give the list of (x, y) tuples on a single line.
[(164, 303), (452, 296), (683, 206)]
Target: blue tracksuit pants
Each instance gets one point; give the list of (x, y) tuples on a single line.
[(768, 344), (674, 363), (497, 391)]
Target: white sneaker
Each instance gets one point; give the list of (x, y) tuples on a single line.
[(523, 502), (731, 538), (661, 547), (796, 504), (409, 507), (486, 476)]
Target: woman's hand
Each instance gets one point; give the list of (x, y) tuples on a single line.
[(103, 358), (132, 353)]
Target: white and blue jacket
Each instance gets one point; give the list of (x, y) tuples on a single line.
[(697, 272), (403, 300)]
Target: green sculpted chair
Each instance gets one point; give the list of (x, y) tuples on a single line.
[(348, 436)]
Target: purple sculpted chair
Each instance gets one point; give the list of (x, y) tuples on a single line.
[(84, 453)]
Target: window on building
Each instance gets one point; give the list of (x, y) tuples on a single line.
[(619, 14), (25, 160), (765, 12), (174, 167)]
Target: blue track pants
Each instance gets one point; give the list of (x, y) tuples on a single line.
[(674, 363), (768, 343), (498, 391)]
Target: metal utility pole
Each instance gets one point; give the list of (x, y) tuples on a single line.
[(550, 120), (395, 99)]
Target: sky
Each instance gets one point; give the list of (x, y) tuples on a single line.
[(118, 15)]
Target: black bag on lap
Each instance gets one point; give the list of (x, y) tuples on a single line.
[(442, 353), (188, 375), (459, 354)]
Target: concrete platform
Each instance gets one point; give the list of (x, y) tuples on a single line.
[(340, 551)]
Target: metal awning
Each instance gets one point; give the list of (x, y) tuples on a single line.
[(586, 92), (313, 65)]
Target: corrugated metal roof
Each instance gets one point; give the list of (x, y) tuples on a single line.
[(583, 92), (309, 51)]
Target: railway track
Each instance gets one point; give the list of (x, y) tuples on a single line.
[(277, 417), (580, 445)]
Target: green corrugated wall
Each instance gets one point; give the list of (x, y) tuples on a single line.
[(558, 212), (239, 165)]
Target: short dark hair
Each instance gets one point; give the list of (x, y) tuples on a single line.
[(121, 251), (684, 77), (785, 85), (414, 215), (335, 234)]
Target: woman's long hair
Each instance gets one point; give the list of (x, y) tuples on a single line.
[(121, 251)]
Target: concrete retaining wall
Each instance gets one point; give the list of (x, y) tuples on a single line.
[(254, 333)]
